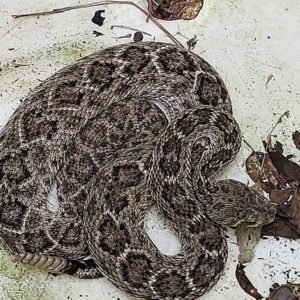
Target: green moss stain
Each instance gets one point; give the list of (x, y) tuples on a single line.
[(66, 52), (9, 268), (23, 290), (73, 50), (21, 283)]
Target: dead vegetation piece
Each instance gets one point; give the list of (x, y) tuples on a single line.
[(282, 292), (97, 33), (245, 283), (278, 176), (130, 28), (286, 168), (281, 227), (280, 119), (126, 36), (175, 9), (93, 4), (191, 43), (262, 171), (296, 139), (289, 291), (269, 78), (97, 18)]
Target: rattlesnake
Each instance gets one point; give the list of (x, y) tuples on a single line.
[(124, 129)]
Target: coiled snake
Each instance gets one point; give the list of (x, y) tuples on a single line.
[(124, 129)]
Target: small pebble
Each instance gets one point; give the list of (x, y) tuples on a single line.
[(138, 36)]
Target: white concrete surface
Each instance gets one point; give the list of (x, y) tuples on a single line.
[(246, 41)]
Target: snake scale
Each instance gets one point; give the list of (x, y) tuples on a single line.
[(122, 130)]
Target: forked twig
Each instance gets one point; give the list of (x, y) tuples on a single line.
[(67, 8)]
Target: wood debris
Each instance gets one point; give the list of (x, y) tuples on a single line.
[(278, 176), (245, 283), (175, 9), (109, 2), (269, 78), (283, 292), (97, 18)]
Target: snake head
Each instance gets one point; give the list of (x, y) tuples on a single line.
[(232, 203)]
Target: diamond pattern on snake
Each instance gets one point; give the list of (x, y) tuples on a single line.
[(125, 129)]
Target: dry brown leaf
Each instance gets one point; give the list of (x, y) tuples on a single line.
[(97, 18), (296, 139), (280, 177), (175, 9), (281, 227), (281, 292), (269, 78), (262, 171), (287, 168), (245, 283)]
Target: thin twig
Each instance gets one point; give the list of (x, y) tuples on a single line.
[(16, 65), (263, 163), (127, 36), (248, 145), (269, 136), (129, 28), (68, 8), (12, 28)]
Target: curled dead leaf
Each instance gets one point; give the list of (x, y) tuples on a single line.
[(296, 139), (175, 9), (281, 227), (97, 18), (281, 292), (262, 171), (245, 283), (287, 201), (278, 176), (287, 168)]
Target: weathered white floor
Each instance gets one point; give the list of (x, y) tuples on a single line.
[(246, 41)]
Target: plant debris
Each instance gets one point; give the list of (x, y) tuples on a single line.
[(97, 18), (191, 43), (108, 2), (278, 176), (289, 291), (175, 9), (296, 139), (269, 78), (245, 283), (282, 292), (127, 36), (130, 28), (286, 168), (97, 33)]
